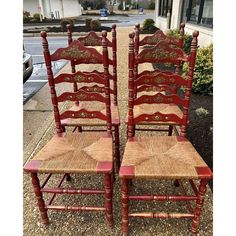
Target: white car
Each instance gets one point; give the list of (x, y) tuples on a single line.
[(27, 66)]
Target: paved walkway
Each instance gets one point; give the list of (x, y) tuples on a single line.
[(39, 127)]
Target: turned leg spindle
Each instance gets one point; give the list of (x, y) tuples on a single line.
[(199, 205), (125, 206), (108, 199), (39, 197)]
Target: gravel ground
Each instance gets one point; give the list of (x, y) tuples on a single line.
[(93, 223)]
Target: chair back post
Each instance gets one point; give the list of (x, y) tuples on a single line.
[(107, 82), (114, 57), (136, 50), (69, 34), (131, 87), (51, 83), (192, 60)]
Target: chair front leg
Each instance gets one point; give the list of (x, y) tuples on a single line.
[(39, 197), (108, 199), (170, 131), (199, 205), (125, 205)]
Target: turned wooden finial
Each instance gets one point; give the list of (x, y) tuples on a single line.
[(195, 40), (181, 31), (114, 26), (104, 33), (131, 35)]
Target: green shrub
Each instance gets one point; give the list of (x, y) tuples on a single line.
[(26, 19), (88, 22), (37, 16), (187, 39), (26, 13), (148, 24), (66, 21), (203, 76), (95, 24)]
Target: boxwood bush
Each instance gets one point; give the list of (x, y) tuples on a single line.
[(148, 24), (203, 76), (66, 21), (187, 39)]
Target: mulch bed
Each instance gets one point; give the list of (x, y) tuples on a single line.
[(200, 128), (80, 28)]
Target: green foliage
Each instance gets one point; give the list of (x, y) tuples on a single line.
[(66, 21), (88, 21), (95, 24), (37, 16), (201, 111), (94, 4), (187, 39), (148, 24), (26, 13), (203, 76), (120, 7), (151, 6)]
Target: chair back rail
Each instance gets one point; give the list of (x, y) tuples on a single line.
[(161, 78), (71, 53), (79, 77), (162, 52), (160, 98), (95, 88), (81, 95), (83, 113), (156, 88)]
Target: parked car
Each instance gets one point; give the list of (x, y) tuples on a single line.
[(27, 66)]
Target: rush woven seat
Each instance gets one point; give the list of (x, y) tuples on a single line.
[(162, 157), (74, 152), (158, 157)]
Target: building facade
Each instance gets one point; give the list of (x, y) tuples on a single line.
[(53, 8), (197, 15)]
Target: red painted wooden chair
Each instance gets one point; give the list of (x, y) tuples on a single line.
[(139, 45), (92, 39), (162, 157), (73, 152)]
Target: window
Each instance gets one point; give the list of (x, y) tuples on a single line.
[(164, 7), (198, 12)]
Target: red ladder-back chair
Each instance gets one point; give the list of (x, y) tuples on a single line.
[(92, 39), (162, 157), (152, 40), (73, 152)]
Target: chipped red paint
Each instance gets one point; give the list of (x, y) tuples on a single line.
[(32, 166), (104, 167), (126, 171), (204, 172), (181, 139)]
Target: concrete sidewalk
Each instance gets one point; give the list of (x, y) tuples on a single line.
[(39, 127)]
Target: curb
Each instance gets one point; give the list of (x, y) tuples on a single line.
[(54, 34)]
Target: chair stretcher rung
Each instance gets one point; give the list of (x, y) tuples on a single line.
[(162, 198), (72, 191), (161, 215), (75, 208)]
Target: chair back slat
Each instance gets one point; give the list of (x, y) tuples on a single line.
[(79, 77), (83, 114), (163, 52), (156, 88), (81, 95), (161, 78), (79, 54), (92, 39), (156, 38), (95, 88), (159, 117), (159, 98)]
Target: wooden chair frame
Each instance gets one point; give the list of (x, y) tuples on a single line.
[(78, 53), (128, 171), (151, 41), (92, 39)]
